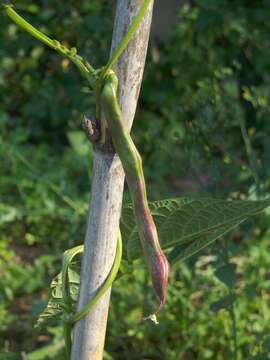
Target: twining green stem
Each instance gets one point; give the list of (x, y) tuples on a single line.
[(105, 286), (124, 42), (68, 339), (71, 319), (94, 77), (101, 291), (28, 27), (117, 53), (85, 68), (68, 256), (132, 164)]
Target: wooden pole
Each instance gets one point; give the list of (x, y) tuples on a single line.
[(107, 189)]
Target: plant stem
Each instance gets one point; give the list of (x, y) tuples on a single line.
[(128, 36), (85, 68), (105, 286), (234, 328), (231, 309), (250, 152), (67, 338), (22, 23)]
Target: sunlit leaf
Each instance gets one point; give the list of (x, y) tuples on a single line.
[(187, 225)]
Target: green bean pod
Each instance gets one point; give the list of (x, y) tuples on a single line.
[(132, 164)]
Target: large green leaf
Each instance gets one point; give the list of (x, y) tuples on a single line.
[(186, 225)]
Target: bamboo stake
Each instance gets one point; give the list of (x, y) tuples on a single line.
[(107, 190)]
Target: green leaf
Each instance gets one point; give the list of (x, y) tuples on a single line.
[(187, 225), (227, 274), (56, 306), (53, 310)]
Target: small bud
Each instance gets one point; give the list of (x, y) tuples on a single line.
[(91, 128)]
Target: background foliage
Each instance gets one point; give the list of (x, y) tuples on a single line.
[(202, 127)]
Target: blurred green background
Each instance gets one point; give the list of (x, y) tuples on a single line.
[(202, 126)]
